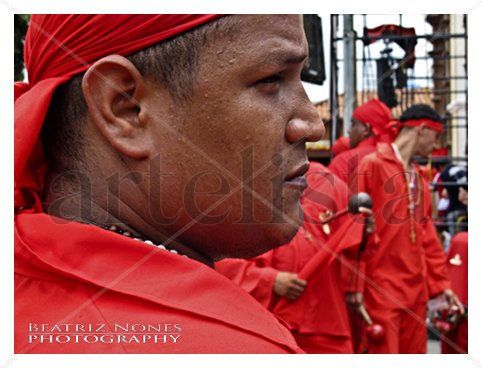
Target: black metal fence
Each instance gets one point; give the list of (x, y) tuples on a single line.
[(442, 83)]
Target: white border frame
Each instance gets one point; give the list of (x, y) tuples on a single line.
[(8, 8)]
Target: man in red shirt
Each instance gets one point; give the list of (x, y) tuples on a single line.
[(370, 123), (457, 340), (143, 153), (341, 145), (303, 282), (408, 265)]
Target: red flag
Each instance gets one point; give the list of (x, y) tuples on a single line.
[(347, 236)]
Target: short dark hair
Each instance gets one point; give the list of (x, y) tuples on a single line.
[(173, 62), (420, 111)]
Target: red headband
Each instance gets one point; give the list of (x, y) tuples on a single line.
[(434, 125), (60, 46)]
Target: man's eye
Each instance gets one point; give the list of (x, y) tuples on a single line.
[(271, 79)]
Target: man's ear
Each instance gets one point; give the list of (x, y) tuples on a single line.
[(114, 90)]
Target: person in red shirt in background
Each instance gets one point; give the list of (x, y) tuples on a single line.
[(456, 341), (407, 266), (341, 145), (292, 282), (370, 122)]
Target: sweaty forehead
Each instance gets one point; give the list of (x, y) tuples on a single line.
[(273, 30), (260, 35)]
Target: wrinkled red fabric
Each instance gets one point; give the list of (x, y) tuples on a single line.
[(458, 337), (68, 272), (375, 114), (342, 144), (60, 46), (348, 236), (346, 163), (457, 263)]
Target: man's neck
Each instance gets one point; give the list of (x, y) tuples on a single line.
[(73, 206), (406, 145)]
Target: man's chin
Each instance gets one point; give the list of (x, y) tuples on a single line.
[(280, 238), (277, 234), (285, 236)]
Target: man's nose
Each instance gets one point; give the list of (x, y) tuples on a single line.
[(306, 127)]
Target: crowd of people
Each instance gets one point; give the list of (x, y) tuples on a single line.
[(371, 296), (138, 139)]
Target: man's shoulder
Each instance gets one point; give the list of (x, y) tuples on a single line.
[(319, 174), (107, 315), (346, 155), (371, 160), (94, 276), (358, 152), (382, 154)]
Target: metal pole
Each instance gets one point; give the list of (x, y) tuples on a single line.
[(333, 79), (349, 71), (466, 84)]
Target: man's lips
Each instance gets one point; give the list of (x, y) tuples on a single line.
[(297, 177)]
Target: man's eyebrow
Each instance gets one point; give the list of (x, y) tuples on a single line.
[(296, 59), (285, 58)]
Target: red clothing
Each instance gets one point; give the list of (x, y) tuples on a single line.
[(402, 273), (405, 333), (345, 164), (459, 339), (457, 263), (377, 116), (320, 344), (319, 314), (67, 272), (342, 144)]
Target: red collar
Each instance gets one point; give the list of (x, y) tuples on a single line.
[(57, 248), (369, 142)]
